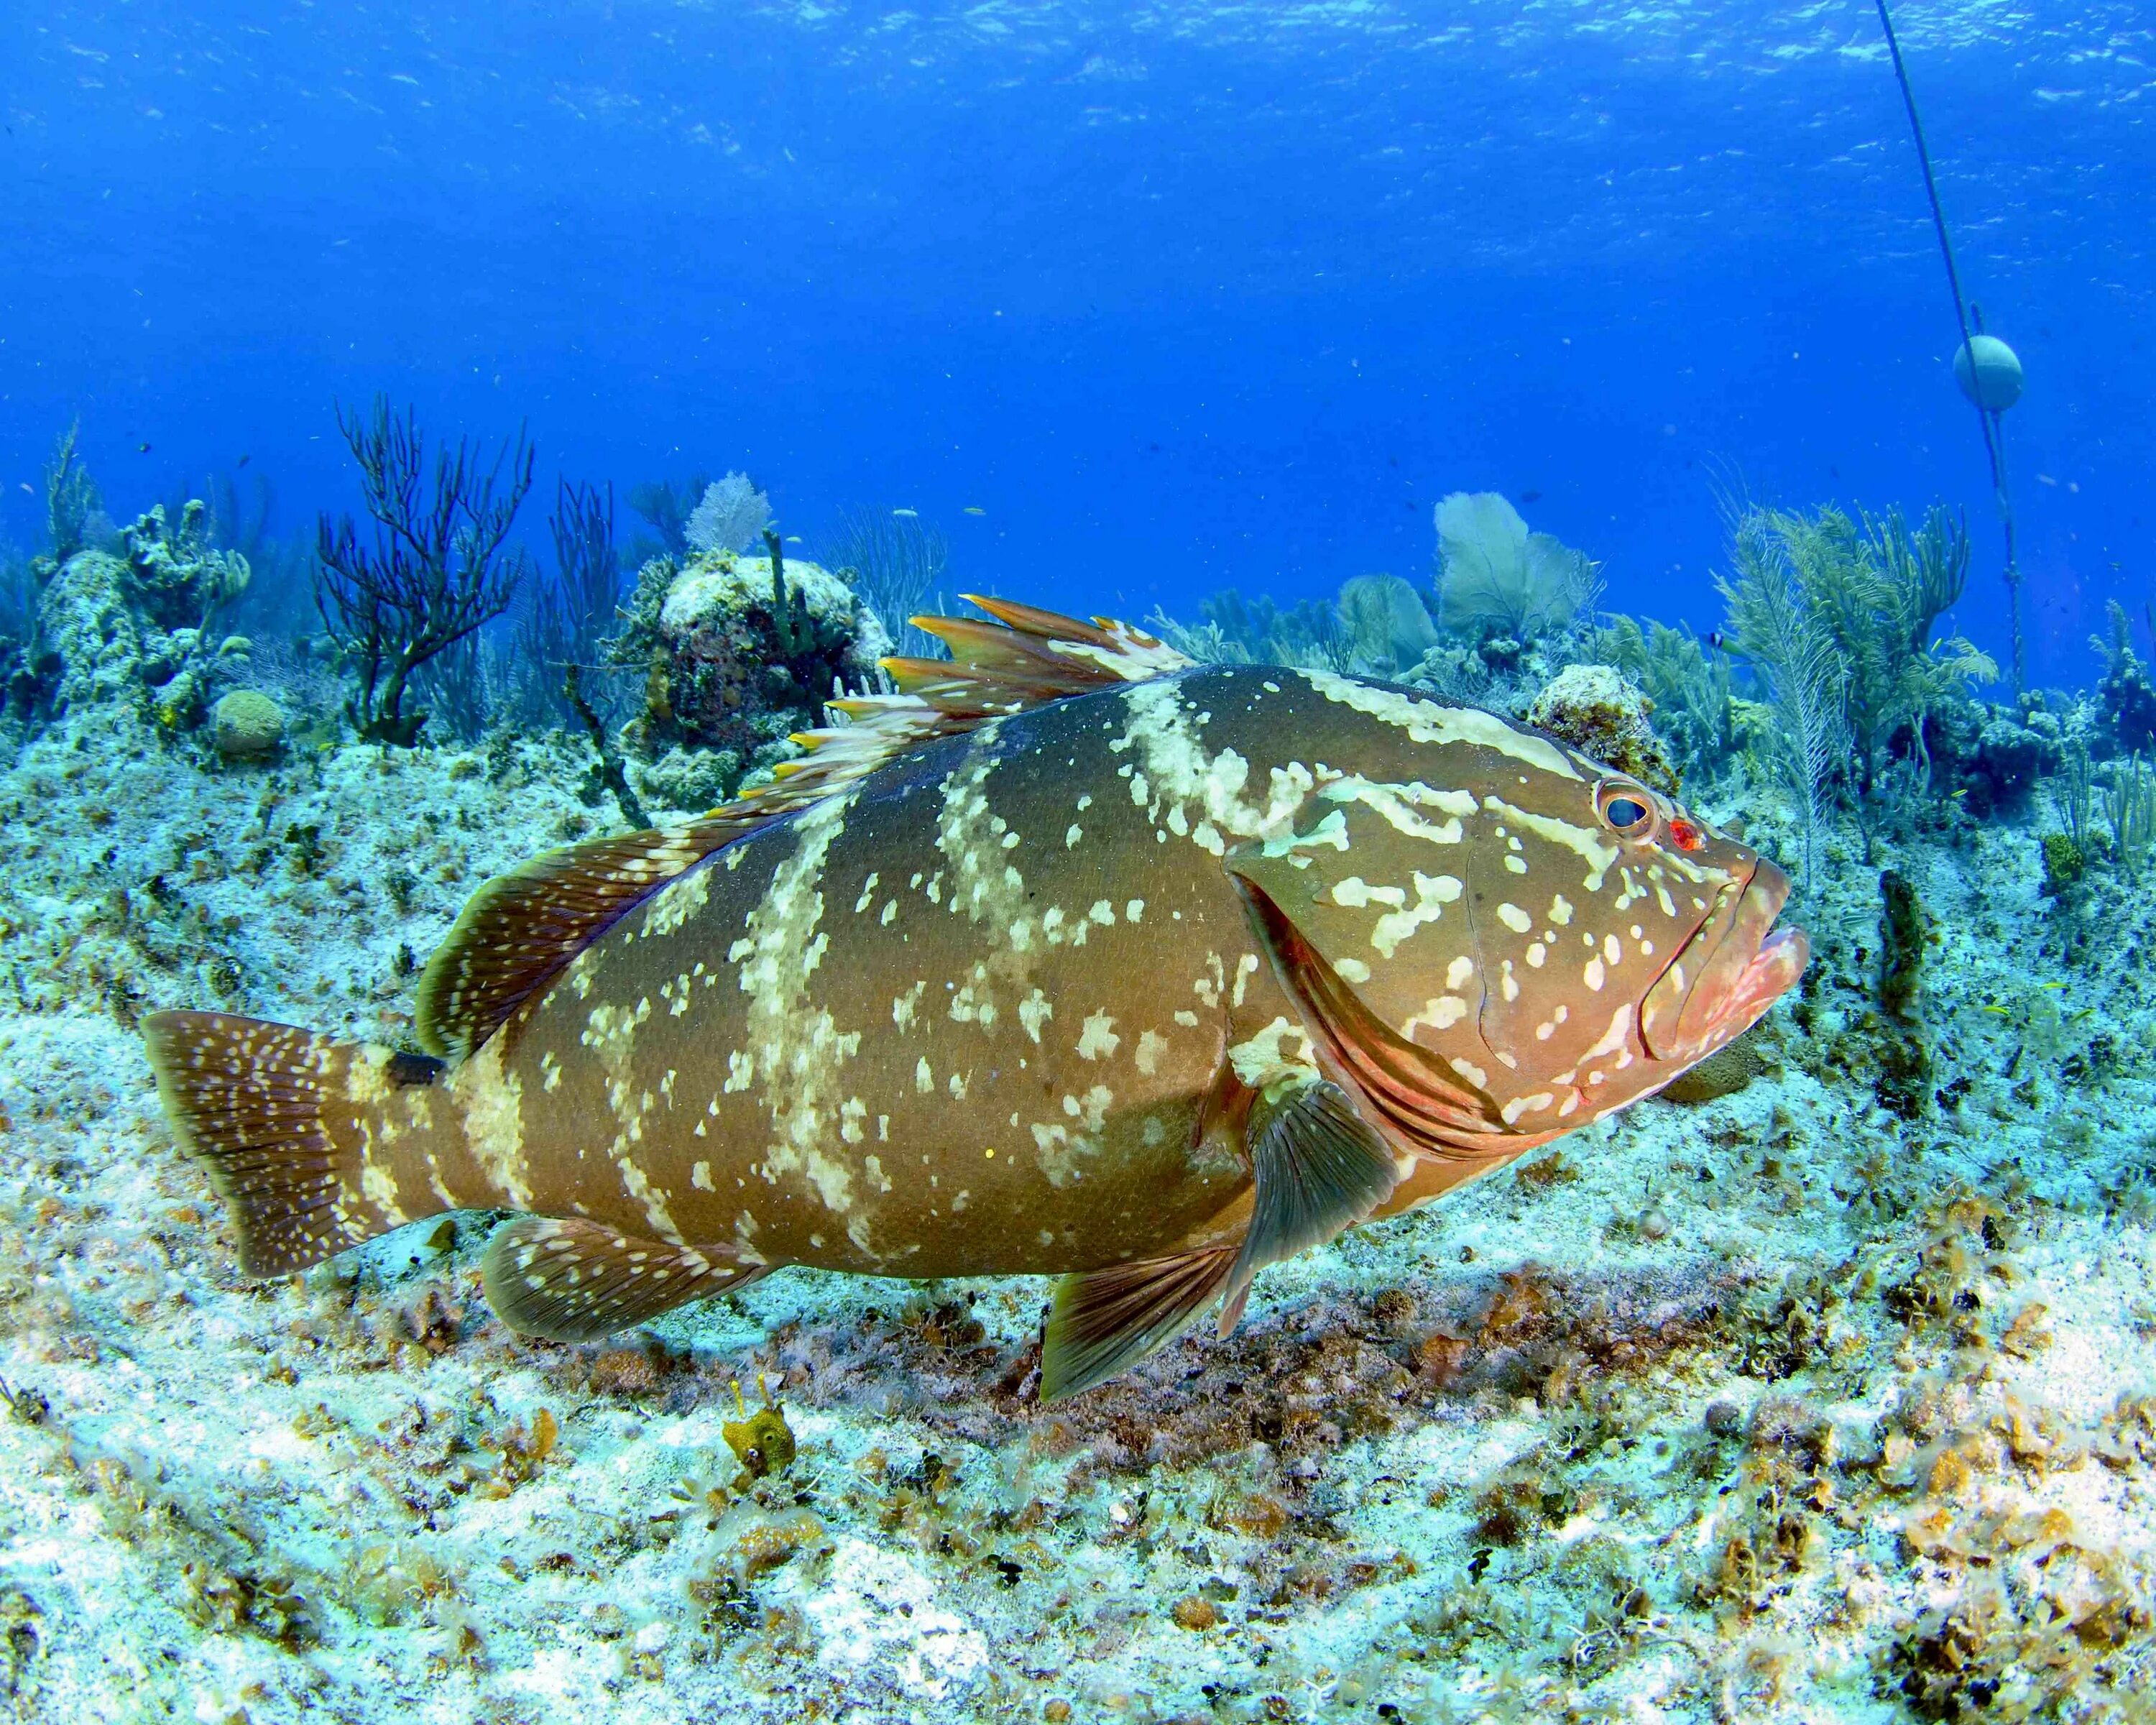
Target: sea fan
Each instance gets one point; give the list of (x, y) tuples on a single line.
[(731, 516)]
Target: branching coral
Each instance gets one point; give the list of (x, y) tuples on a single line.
[(568, 615), (1772, 623), (439, 569)]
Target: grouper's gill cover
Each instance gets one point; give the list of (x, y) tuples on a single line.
[(1515, 941), (1069, 956)]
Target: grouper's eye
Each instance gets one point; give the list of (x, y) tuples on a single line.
[(1625, 809)]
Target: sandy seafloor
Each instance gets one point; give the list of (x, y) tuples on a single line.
[(1777, 1407)]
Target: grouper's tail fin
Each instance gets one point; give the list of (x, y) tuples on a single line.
[(259, 1103)]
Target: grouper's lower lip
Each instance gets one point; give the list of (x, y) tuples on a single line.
[(1733, 969)]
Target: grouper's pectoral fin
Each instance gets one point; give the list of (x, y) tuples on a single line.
[(1319, 1168), (1106, 1321), (574, 1280)]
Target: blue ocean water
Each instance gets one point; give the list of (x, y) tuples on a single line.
[(1177, 295)]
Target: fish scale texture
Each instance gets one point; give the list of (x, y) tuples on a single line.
[(1774, 1408)]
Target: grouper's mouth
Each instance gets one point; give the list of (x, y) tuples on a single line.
[(1736, 965)]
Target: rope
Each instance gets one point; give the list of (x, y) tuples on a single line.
[(1995, 434)]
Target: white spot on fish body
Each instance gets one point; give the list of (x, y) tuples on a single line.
[(1472, 1073), (1610, 950), (1426, 722), (1514, 866), (1441, 1014), (1459, 973), (1134, 909), (1432, 894), (1511, 1111), (867, 894), (1099, 1038), (1536, 953), (1514, 918), (1354, 969), (1594, 975), (1071, 835), (924, 1077), (1152, 1045)]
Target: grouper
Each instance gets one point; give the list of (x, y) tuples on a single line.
[(1071, 956)]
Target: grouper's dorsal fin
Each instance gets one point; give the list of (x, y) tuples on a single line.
[(1024, 657), (519, 931)]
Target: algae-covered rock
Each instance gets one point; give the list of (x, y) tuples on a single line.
[(1722, 1074), (246, 724), (736, 655), (138, 629), (1604, 714)]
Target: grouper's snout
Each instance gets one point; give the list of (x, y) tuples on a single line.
[(1763, 962)]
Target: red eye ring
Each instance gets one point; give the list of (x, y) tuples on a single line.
[(1685, 835)]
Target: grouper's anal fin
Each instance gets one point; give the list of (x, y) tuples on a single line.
[(1319, 1168), (573, 1280), (519, 931)]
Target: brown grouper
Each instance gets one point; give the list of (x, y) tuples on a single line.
[(1073, 957)]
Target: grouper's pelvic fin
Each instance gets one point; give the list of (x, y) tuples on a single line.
[(271, 1109), (1105, 1321), (1319, 1168)]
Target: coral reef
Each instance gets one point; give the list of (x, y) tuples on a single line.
[(735, 653), (1838, 622), (2125, 700), (1817, 1389), (135, 630), (1778, 1406)]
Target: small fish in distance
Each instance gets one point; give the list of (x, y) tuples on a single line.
[(1069, 958)]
